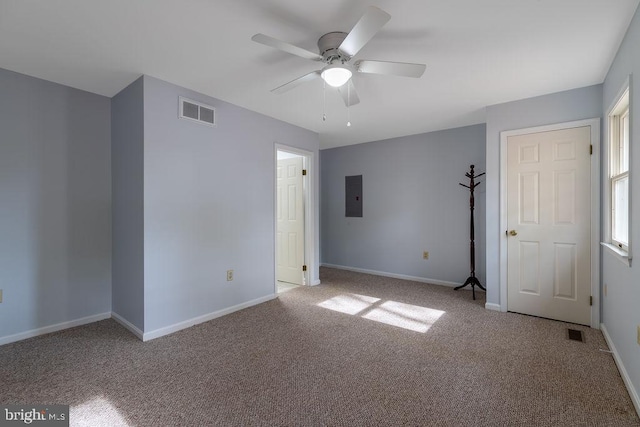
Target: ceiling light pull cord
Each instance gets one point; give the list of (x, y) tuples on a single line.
[(348, 104), (324, 101)]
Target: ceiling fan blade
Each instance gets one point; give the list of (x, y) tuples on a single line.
[(349, 94), (293, 83), (364, 30), (285, 47), (390, 68)]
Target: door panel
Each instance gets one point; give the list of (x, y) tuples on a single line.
[(548, 209), (565, 284), (529, 207), (530, 270)]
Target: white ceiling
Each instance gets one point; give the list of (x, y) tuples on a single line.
[(478, 53)]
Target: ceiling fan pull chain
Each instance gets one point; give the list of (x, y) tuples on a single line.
[(324, 101), (348, 103)]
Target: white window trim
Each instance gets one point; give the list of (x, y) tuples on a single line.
[(624, 256)]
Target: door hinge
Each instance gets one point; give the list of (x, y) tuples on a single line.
[(591, 300), (304, 172), (304, 268), (591, 149)]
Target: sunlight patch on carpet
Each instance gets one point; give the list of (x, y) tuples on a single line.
[(406, 316), (349, 303), (97, 412)]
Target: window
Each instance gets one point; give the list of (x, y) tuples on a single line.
[(619, 172)]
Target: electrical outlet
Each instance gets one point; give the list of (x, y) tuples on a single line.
[(425, 255), (638, 334), (229, 275), (605, 289)]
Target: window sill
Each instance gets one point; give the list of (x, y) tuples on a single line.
[(620, 254)]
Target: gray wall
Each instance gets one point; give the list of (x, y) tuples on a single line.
[(55, 197), (577, 104), (412, 202), (209, 200), (621, 306), (127, 163)]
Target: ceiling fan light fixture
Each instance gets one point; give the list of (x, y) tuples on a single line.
[(336, 75)]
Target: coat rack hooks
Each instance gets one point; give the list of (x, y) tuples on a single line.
[(472, 280)]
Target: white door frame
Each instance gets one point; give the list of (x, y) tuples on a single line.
[(595, 208), (309, 212)]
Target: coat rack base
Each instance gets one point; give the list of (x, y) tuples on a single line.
[(473, 281)]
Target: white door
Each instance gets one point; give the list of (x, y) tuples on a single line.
[(290, 221), (549, 219)]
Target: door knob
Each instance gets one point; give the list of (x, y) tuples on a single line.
[(513, 233)]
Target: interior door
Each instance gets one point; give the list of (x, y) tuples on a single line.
[(290, 221), (549, 220)]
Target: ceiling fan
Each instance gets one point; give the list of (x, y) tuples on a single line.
[(337, 49)]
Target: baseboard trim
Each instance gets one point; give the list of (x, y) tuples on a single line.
[(131, 327), (160, 332), (53, 328), (127, 325), (623, 372), (396, 276), (315, 282), (492, 306)]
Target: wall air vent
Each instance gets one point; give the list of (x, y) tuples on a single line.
[(197, 112)]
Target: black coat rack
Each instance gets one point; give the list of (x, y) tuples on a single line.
[(472, 280)]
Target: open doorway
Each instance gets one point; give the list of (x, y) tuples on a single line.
[(291, 206)]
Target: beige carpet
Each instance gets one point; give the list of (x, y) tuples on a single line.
[(358, 350)]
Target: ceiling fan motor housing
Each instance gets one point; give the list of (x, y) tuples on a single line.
[(328, 47)]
